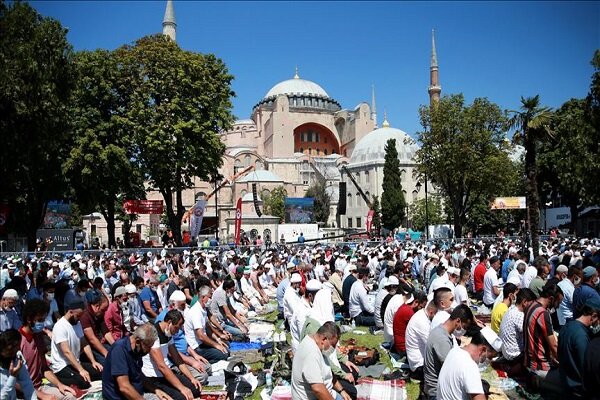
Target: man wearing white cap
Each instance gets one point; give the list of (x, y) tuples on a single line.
[(291, 298), (9, 319), (302, 310), (459, 377)]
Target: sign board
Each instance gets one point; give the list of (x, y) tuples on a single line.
[(509, 203), (57, 215), (299, 210), (291, 232), (60, 239), (143, 206)]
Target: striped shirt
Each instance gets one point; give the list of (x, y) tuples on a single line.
[(537, 326)]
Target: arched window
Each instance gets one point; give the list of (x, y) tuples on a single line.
[(243, 192), (349, 200), (259, 165), (415, 196), (366, 176), (237, 165), (247, 160), (325, 151)]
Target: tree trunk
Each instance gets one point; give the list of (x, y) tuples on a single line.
[(109, 216), (34, 218), (574, 219), (457, 223), (178, 216), (174, 222), (532, 192)]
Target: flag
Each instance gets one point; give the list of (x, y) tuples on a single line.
[(370, 220), (197, 216), (238, 221)]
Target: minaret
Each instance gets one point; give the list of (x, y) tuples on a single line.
[(373, 107), (434, 82), (169, 24)]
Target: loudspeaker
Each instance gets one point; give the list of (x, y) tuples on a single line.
[(255, 196), (341, 208)]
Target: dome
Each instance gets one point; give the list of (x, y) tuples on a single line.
[(372, 147), (296, 86)]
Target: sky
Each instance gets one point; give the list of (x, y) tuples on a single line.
[(498, 50)]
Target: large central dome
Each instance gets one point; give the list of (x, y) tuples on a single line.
[(296, 86)]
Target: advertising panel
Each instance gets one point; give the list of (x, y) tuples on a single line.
[(509, 203), (299, 210), (291, 232), (57, 215)]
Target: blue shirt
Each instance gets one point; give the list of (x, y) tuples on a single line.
[(580, 296), (179, 338), (148, 294), (281, 292), (120, 360), (505, 270)]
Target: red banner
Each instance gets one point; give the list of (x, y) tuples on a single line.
[(143, 206), (238, 221), (370, 220)]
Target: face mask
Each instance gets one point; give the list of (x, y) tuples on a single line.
[(50, 296), (168, 332), (595, 329), (329, 351), (596, 281), (37, 327), (124, 306), (459, 332), (577, 281)]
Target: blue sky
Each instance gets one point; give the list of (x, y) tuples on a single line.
[(499, 50)]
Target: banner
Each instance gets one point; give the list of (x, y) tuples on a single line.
[(197, 217), (370, 220), (299, 210), (238, 221), (57, 215), (255, 198), (143, 206), (508, 203)]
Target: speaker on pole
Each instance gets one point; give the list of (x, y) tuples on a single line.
[(255, 196), (341, 208)]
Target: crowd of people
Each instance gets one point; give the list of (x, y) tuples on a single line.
[(150, 325)]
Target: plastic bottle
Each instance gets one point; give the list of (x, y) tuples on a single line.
[(353, 324), (269, 381)]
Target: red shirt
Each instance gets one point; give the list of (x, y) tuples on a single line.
[(113, 319), (478, 275), (537, 326), (401, 318), (33, 348)]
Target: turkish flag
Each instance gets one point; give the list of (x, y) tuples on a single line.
[(370, 220)]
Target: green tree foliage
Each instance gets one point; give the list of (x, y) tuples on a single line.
[(568, 160), (99, 166), (376, 223), (393, 204), (178, 103), (435, 212), (532, 125), (463, 153), (274, 203), (36, 80), (593, 110), (322, 206)]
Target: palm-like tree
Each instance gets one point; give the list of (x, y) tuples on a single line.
[(532, 124)]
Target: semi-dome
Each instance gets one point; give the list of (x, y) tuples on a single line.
[(297, 86), (372, 147)]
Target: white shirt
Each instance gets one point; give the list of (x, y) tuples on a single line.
[(417, 332), (530, 273), (490, 280), (358, 300), (64, 332), (290, 300), (565, 309), (459, 377), (297, 322), (511, 333), (150, 369), (460, 295), (439, 318), (195, 318), (388, 318), (515, 273)]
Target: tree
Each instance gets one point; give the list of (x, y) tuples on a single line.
[(393, 204), (178, 104), (99, 166), (376, 223), (533, 126), (566, 162), (36, 80), (593, 112), (274, 203), (435, 212), (463, 153), (322, 206)]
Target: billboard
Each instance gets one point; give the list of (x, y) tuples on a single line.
[(291, 232), (58, 239), (57, 215), (299, 210), (508, 203), (143, 206)]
